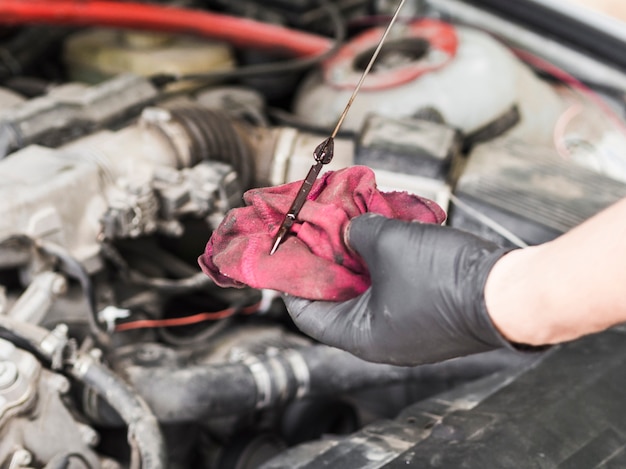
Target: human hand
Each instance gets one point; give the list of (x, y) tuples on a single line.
[(426, 301)]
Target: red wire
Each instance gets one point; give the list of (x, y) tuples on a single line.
[(239, 31), (186, 320), (572, 82)]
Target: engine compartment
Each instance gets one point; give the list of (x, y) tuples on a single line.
[(127, 131)]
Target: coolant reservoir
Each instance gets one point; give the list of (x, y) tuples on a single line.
[(97, 54), (463, 74)]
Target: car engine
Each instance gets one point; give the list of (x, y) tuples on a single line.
[(128, 130)]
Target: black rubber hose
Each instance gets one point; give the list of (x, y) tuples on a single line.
[(26, 336), (163, 258), (195, 393), (294, 65), (144, 432), (193, 283), (29, 87)]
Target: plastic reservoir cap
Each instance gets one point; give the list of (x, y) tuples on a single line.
[(423, 46)]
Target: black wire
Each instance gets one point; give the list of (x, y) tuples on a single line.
[(150, 250), (81, 458), (201, 337), (611, 91), (62, 461), (198, 281), (74, 269), (23, 343), (27, 86), (295, 65), (191, 283), (291, 120), (245, 298)]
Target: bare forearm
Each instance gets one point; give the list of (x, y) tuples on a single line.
[(561, 290), (614, 8)]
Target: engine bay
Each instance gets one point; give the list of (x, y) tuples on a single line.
[(128, 131)]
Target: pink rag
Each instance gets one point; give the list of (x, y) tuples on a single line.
[(313, 262)]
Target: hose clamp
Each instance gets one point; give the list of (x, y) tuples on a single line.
[(262, 379), (300, 372)]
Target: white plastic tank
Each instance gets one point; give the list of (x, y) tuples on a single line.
[(93, 55), (465, 75)]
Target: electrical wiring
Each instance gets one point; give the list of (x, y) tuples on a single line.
[(198, 281), (9, 333), (194, 281), (238, 31), (73, 268), (289, 119), (271, 68), (186, 320), (200, 335), (168, 336), (309, 49)]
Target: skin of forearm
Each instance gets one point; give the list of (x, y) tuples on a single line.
[(564, 289), (614, 8)]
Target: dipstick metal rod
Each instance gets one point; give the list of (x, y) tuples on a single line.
[(367, 70), (324, 152)]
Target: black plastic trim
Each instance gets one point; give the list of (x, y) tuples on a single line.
[(561, 27)]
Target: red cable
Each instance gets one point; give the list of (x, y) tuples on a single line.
[(573, 83), (185, 321), (238, 31)]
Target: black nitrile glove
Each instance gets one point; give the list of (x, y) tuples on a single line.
[(426, 302)]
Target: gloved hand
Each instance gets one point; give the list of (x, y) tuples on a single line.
[(426, 302)]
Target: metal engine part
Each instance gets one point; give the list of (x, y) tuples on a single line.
[(132, 182), (530, 191), (264, 381), (33, 409), (292, 157), (73, 109), (117, 352), (409, 146)]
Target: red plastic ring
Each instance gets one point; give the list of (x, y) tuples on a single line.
[(442, 41)]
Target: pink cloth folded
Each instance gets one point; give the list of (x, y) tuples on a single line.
[(314, 261)]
